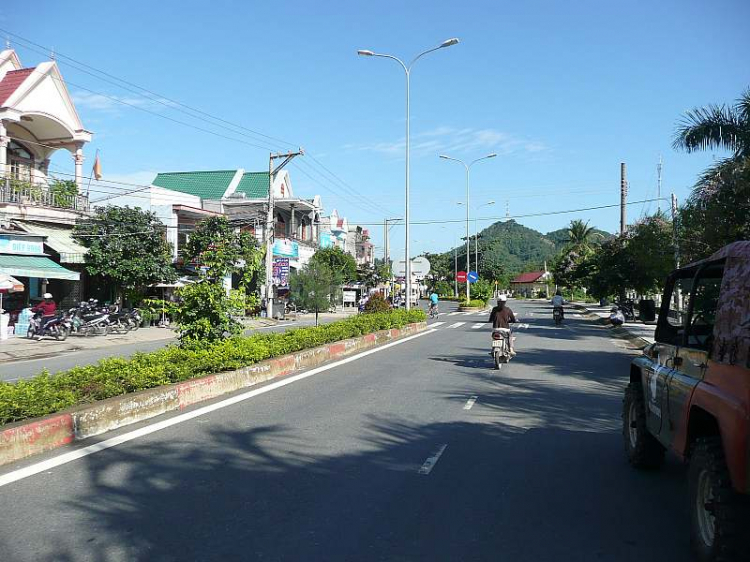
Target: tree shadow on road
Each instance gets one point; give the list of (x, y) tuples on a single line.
[(499, 492)]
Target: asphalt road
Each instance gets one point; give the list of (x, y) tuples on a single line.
[(420, 451), (14, 370)]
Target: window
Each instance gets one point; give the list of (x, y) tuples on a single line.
[(280, 230), (671, 326), (705, 299), (21, 162)]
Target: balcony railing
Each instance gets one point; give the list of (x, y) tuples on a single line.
[(40, 195)]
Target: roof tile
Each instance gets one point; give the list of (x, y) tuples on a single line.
[(530, 277), (206, 185), (11, 81), (254, 185)]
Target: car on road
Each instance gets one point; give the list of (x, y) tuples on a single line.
[(690, 393)]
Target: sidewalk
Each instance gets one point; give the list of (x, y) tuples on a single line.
[(15, 348), (636, 329)]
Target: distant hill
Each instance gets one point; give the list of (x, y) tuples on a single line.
[(519, 248)]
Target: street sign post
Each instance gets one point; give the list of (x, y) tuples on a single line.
[(461, 277), (473, 277)]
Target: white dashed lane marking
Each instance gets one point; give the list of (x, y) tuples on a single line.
[(470, 402), (477, 326), (436, 324), (431, 461), (457, 324)]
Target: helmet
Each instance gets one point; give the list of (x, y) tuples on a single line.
[(614, 309), (47, 295), (502, 298)]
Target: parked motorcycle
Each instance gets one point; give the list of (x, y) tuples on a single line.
[(88, 320), (39, 327), (557, 315), (627, 308), (501, 346)]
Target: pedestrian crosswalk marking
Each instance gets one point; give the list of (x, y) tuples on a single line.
[(477, 326), (436, 324), (454, 313), (457, 324)]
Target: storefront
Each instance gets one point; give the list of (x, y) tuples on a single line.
[(22, 256)]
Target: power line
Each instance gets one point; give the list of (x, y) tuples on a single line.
[(160, 99)]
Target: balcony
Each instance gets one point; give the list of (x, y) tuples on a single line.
[(59, 195)]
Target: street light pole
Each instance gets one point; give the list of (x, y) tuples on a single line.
[(407, 71), (467, 167)]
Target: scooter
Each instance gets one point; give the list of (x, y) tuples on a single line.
[(557, 315), (57, 327), (88, 321), (501, 346)]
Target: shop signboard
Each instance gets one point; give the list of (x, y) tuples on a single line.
[(327, 240), (13, 245), (286, 249), (281, 272)]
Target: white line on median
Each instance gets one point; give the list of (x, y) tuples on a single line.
[(470, 402), (430, 463), (60, 460), (456, 325)]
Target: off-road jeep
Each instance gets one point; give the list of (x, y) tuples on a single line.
[(690, 393)]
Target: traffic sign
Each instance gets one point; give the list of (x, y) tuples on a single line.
[(473, 277), (461, 277)]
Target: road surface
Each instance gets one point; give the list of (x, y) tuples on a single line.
[(416, 452)]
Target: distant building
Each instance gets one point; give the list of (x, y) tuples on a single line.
[(182, 199), (531, 284)]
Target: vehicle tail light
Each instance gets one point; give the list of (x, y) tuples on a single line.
[(496, 335)]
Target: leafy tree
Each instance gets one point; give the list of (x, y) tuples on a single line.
[(205, 312), (376, 303), (717, 212), (315, 287), (443, 288), (608, 268), (126, 246), (649, 249), (341, 264), (216, 245), (368, 276), (441, 265)]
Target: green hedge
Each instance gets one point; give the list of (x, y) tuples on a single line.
[(473, 302), (46, 394)]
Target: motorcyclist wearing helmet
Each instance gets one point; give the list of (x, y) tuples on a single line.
[(47, 307), (502, 317)]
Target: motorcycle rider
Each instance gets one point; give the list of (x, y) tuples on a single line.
[(557, 302), (616, 318), (502, 317), (47, 307)]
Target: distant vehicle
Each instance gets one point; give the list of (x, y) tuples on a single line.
[(690, 392)]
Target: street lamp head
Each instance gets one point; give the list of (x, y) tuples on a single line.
[(490, 203), (365, 53), (449, 42), (491, 155)]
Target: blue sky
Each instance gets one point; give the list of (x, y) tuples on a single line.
[(562, 91)]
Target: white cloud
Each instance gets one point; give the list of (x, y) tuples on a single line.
[(455, 141), (112, 104)]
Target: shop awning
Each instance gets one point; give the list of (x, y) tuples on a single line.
[(35, 266), (60, 239)]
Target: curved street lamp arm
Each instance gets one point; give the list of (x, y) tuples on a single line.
[(398, 60)]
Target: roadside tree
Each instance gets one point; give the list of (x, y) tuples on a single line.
[(127, 247), (315, 287)]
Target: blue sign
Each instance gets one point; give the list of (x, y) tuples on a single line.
[(327, 240), (286, 248), (473, 277)]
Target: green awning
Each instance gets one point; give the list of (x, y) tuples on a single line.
[(35, 266)]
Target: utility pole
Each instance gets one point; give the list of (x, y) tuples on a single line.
[(658, 185), (455, 272), (676, 244), (623, 196), (271, 222)]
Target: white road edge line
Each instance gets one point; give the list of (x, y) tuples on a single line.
[(65, 458), (430, 463), (470, 402)]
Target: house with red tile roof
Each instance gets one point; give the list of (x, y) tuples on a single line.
[(39, 122), (532, 283)]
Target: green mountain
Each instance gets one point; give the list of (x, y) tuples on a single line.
[(508, 248)]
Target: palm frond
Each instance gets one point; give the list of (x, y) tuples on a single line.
[(714, 126)]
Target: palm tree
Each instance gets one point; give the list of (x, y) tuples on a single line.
[(717, 126), (579, 234)]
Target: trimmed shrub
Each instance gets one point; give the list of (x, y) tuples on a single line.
[(376, 303), (46, 394), (473, 302)]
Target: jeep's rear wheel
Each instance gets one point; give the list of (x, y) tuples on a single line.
[(641, 448), (718, 515)]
